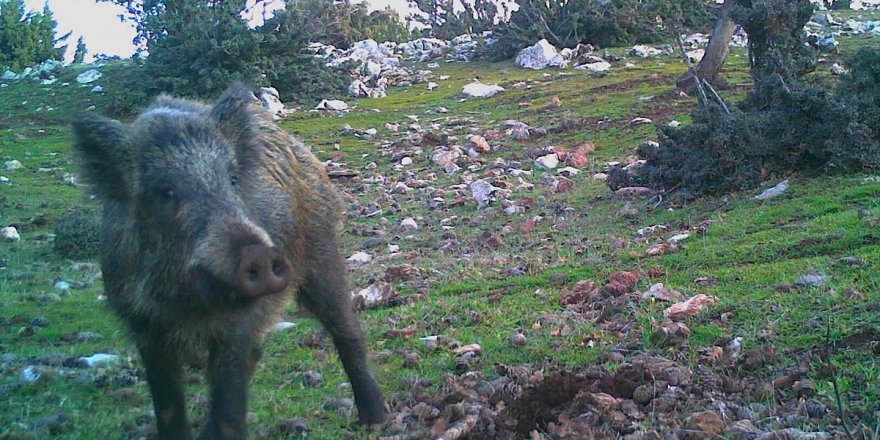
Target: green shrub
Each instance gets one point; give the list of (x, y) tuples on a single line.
[(783, 126), (27, 39), (597, 22), (78, 234)]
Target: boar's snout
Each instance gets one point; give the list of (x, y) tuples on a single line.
[(262, 271)]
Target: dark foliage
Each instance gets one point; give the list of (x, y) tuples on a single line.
[(783, 126), (27, 39), (597, 22), (442, 20), (197, 48), (78, 234)]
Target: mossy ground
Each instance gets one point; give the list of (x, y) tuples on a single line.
[(749, 248)]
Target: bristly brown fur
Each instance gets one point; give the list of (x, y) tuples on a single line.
[(185, 187)]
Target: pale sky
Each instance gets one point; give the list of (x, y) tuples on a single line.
[(102, 30)]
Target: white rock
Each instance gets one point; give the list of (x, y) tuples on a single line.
[(432, 85), (677, 238), (12, 165), (99, 360), (837, 69), (283, 325), (271, 100), (63, 287), (598, 67), (49, 82), (29, 375), (640, 121), (9, 75), (97, 89), (539, 56), (360, 257), (643, 51), (406, 161), (480, 90), (696, 55), (483, 192), (549, 161), (332, 104), (674, 124), (600, 176), (372, 68), (409, 224), (88, 76), (769, 193), (4, 179), (444, 77), (569, 171), (9, 233)]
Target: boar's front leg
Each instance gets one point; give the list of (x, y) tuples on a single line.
[(164, 379), (231, 364), (325, 294)]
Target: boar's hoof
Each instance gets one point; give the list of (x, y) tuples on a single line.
[(262, 271)]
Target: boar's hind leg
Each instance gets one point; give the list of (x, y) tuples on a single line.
[(325, 294), (230, 367), (164, 378)]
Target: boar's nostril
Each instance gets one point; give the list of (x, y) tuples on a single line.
[(262, 271)]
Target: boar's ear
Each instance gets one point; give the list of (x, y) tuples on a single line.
[(238, 113), (101, 152)]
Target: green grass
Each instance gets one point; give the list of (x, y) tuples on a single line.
[(749, 248)]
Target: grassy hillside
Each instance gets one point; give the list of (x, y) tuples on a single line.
[(484, 276)]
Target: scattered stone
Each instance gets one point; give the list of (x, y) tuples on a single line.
[(678, 238), (597, 67), (517, 339), (548, 162), (773, 192), (479, 144), (88, 76), (539, 56), (311, 379), (283, 325), (837, 69), (659, 291), (99, 360), (359, 258), (640, 121), (480, 90), (811, 280), (9, 233), (409, 224), (483, 192), (632, 192), (97, 89), (333, 104), (692, 307), (704, 425), (375, 295), (12, 165), (742, 430), (643, 51), (342, 405)]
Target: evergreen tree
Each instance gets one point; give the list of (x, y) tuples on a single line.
[(27, 39), (81, 51)]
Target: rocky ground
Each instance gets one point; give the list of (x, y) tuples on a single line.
[(506, 292)]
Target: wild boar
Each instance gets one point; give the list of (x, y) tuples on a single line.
[(213, 219)]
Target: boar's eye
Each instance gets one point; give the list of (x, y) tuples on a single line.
[(167, 194), (233, 180)]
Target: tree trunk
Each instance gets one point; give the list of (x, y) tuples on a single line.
[(716, 52)]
